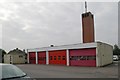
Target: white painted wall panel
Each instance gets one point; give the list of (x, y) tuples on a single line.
[(7, 59), (47, 57), (104, 54)]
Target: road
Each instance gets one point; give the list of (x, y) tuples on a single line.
[(55, 71)]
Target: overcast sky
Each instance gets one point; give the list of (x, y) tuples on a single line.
[(39, 24)]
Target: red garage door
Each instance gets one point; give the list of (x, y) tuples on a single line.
[(41, 57), (83, 57), (57, 57), (32, 58)]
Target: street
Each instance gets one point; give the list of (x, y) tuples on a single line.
[(56, 71)]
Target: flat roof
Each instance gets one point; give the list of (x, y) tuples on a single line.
[(63, 47), (70, 46)]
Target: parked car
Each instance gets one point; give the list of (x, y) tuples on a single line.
[(115, 58), (12, 72)]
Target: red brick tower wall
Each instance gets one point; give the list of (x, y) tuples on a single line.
[(88, 27)]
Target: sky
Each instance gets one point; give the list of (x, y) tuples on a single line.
[(36, 24)]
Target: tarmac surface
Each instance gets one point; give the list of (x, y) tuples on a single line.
[(57, 71)]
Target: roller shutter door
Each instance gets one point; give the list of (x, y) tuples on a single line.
[(83, 57), (32, 57), (41, 57), (57, 57)]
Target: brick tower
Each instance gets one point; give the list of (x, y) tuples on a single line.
[(88, 26)]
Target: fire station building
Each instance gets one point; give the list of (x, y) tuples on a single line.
[(88, 53), (84, 54)]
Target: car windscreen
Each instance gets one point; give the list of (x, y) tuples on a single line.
[(9, 71)]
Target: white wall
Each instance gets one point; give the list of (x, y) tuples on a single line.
[(14, 58), (7, 58), (18, 60), (104, 54)]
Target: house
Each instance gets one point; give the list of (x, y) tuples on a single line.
[(15, 56)]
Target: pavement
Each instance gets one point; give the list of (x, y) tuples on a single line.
[(57, 71)]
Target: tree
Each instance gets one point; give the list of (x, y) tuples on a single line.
[(2, 52), (116, 50)]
